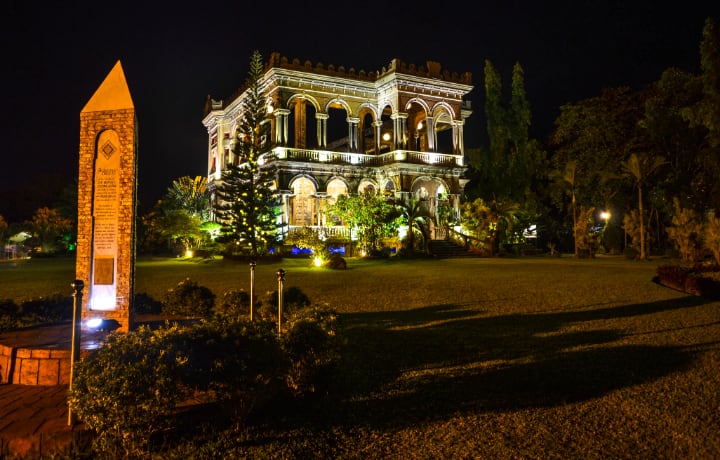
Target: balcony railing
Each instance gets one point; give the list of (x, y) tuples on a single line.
[(361, 159), (325, 231)]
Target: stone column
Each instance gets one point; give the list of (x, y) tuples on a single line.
[(378, 133), (458, 144), (322, 119), (399, 130), (430, 130), (281, 129), (353, 134)]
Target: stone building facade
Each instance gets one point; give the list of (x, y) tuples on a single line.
[(332, 131)]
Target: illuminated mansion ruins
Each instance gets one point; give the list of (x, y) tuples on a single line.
[(397, 131)]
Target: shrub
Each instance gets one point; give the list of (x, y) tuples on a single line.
[(145, 304), (336, 262), (234, 304), (51, 309), (293, 299), (312, 347), (239, 363), (9, 314), (126, 390), (189, 299), (686, 232)]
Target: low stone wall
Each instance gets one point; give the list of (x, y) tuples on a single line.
[(28, 366), (6, 359)]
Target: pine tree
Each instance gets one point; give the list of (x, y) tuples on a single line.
[(247, 200)]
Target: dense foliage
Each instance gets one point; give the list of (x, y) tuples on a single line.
[(51, 309), (371, 216), (133, 392)]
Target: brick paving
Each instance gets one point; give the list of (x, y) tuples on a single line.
[(34, 418)]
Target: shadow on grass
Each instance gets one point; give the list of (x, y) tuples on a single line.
[(432, 363)]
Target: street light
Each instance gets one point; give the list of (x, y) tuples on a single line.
[(605, 215)]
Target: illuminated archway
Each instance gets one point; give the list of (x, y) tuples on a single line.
[(303, 201)]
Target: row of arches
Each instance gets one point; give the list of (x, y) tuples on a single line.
[(304, 203), (304, 123)]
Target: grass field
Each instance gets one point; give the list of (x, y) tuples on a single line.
[(533, 357)]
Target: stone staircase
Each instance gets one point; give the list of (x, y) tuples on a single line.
[(445, 249)]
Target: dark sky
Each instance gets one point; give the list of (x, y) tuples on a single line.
[(56, 55)]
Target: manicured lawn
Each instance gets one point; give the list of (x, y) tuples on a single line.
[(531, 357)]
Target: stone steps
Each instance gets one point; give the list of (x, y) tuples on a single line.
[(448, 249)]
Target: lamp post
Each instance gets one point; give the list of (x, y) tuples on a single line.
[(605, 215), (252, 287), (281, 278), (77, 286)]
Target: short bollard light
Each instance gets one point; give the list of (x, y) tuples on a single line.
[(281, 279)]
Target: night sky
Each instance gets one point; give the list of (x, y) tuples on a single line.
[(56, 55)]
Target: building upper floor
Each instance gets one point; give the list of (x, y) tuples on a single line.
[(316, 113)]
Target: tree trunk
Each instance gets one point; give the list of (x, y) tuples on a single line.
[(643, 256)]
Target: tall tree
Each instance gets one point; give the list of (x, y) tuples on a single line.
[(3, 228), (670, 134), (595, 132), (565, 180), (706, 112), (47, 225), (503, 167), (518, 122), (640, 168), (512, 167), (247, 202)]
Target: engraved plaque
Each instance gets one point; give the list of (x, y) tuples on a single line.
[(104, 271)]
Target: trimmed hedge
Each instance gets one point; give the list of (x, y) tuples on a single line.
[(698, 279)]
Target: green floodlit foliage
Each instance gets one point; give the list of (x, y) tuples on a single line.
[(373, 217)]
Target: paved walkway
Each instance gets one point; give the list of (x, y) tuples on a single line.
[(34, 418), (34, 421)]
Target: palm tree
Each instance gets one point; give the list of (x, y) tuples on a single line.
[(492, 217), (567, 180), (417, 214), (190, 194), (640, 168)]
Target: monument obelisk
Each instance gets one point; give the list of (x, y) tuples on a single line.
[(107, 195)]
